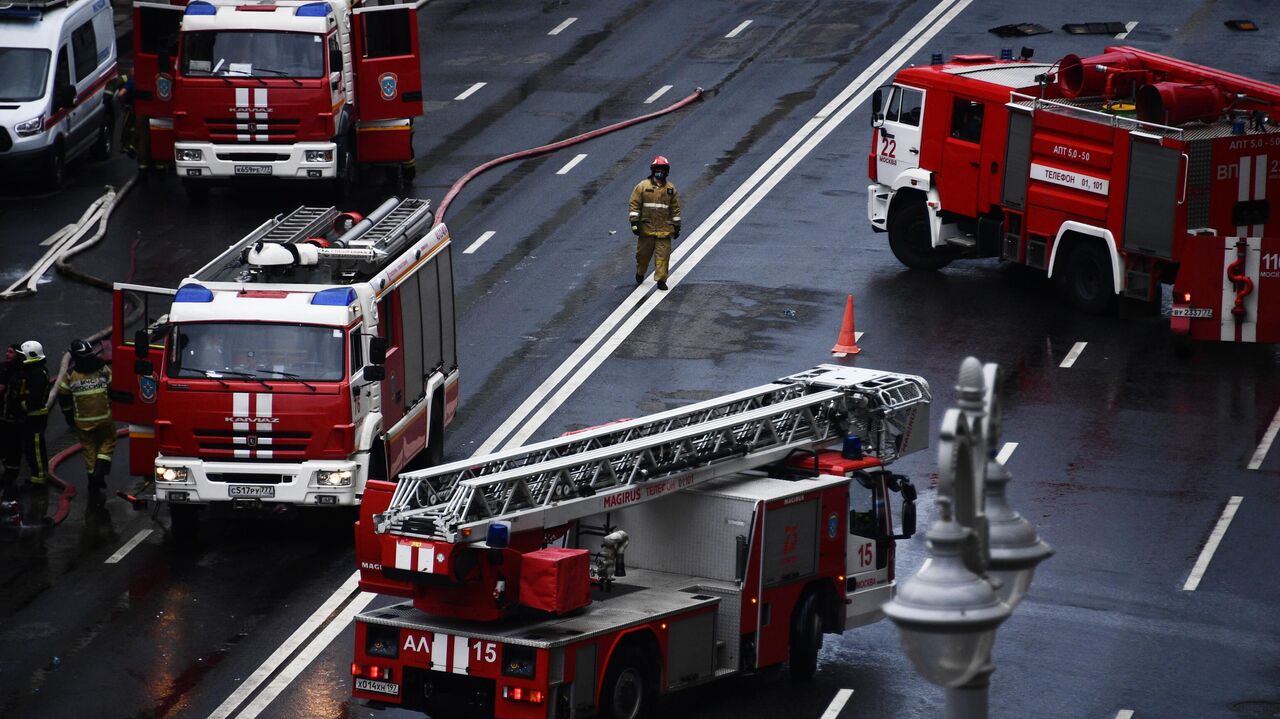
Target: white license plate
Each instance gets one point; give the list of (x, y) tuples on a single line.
[(369, 685), (250, 490), (253, 169), (1194, 312)]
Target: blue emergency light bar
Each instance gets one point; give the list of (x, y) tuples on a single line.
[(193, 293), (334, 296), (313, 9), (17, 13), (199, 7)]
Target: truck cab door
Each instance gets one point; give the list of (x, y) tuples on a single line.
[(898, 136), (155, 50), (867, 549), (961, 181), (135, 374), (388, 72)]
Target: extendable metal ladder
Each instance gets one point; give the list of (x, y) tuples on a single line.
[(300, 224), (559, 480)]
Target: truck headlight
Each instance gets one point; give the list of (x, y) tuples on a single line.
[(189, 155), (171, 474), (29, 127), (319, 155), (334, 478)]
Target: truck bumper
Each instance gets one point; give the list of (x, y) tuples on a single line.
[(286, 162), (878, 198), (257, 482)]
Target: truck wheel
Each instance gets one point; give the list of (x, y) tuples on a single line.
[(1087, 281), (184, 523), (910, 242), (346, 171), (627, 692), (55, 170), (806, 639)]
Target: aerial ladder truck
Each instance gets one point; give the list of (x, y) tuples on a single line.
[(586, 575)]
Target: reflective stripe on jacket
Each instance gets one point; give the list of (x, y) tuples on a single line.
[(656, 207)]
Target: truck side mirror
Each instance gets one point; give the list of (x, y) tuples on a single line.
[(877, 107), (375, 373), (64, 97), (141, 344), (908, 519), (377, 350)]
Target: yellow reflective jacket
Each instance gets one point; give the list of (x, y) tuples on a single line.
[(88, 393), (656, 208)]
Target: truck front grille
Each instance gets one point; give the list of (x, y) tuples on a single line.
[(224, 443), (233, 129)]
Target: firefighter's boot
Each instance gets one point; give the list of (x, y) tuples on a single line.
[(96, 487)]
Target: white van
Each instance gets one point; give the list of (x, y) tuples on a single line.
[(56, 58)]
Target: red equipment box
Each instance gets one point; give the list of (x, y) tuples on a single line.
[(555, 580)]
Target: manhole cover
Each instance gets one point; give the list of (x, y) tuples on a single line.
[(1257, 708)]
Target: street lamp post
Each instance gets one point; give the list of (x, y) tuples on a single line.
[(982, 554)]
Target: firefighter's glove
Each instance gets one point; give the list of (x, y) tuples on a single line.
[(675, 232), (635, 229)]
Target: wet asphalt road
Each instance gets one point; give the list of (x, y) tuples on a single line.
[(1124, 461)]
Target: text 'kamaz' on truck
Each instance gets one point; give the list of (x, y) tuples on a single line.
[(1114, 174), (312, 355), (586, 575)]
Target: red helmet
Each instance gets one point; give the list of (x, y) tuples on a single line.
[(659, 161)]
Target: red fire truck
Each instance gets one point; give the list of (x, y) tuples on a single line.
[(1114, 174), (292, 89), (588, 574), (313, 354)]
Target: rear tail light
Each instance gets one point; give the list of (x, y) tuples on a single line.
[(372, 671), (1186, 297), (520, 694)]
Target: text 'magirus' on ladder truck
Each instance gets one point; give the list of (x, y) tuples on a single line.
[(313, 354), (1113, 173), (720, 538), (293, 89)]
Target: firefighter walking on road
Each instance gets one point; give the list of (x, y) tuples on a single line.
[(83, 395), (33, 403), (655, 220)]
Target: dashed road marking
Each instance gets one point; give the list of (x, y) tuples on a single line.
[(1073, 355), (128, 546), (734, 32), (661, 91), (470, 91), (571, 164), (476, 245), (1211, 546), (1006, 452), (841, 698), (1128, 28), (1264, 446), (1124, 713), (560, 28)]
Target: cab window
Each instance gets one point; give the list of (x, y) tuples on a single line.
[(910, 105), (966, 120), (862, 506), (84, 48), (62, 75), (357, 351)]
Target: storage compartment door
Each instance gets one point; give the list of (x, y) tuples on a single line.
[(155, 51), (1155, 186), (387, 60)]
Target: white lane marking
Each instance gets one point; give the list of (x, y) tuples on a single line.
[(734, 32), (661, 91), (476, 245), (870, 79), (571, 164), (1073, 355), (637, 306), (1124, 713), (128, 546), (560, 28), (470, 91), (1211, 546), (306, 656), (1006, 452), (1265, 445), (1128, 28), (833, 709), (255, 680)]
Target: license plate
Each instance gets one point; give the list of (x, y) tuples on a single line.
[(250, 490), (1194, 312), (253, 169), (369, 685)]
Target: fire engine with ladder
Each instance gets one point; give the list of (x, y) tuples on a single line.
[(1114, 174), (588, 574), (286, 89), (313, 354)]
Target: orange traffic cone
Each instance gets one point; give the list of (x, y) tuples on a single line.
[(847, 343)]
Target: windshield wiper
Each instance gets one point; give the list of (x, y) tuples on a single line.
[(292, 376), (280, 73), (210, 374)]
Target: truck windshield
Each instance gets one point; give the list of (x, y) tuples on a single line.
[(275, 352), (22, 73), (252, 53)]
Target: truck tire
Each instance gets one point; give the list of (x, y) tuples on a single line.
[(627, 691), (806, 639), (1086, 280), (184, 523), (909, 238), (345, 180), (55, 169)]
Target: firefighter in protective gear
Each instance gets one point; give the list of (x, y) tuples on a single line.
[(32, 400), (83, 395), (11, 419), (655, 220)]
